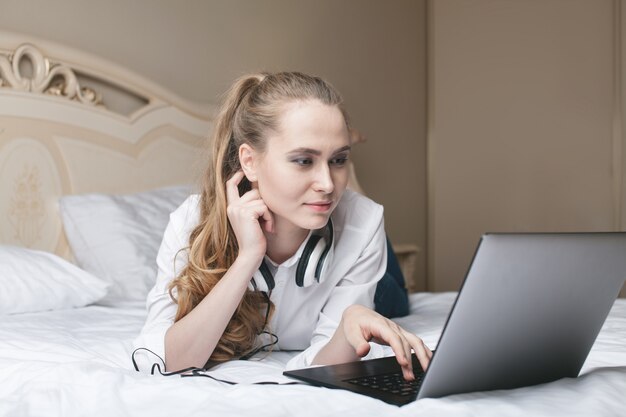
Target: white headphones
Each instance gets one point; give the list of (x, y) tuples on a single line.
[(317, 254)]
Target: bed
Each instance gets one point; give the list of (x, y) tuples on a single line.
[(92, 160)]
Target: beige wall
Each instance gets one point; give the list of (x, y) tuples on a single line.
[(372, 50), (524, 123), (522, 133)]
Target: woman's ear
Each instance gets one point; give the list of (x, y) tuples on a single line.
[(247, 160)]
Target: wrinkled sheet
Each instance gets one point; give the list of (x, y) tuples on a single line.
[(77, 362)]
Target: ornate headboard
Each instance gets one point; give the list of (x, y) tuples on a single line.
[(73, 123)]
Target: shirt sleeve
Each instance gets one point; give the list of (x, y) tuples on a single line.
[(149, 346), (356, 287)]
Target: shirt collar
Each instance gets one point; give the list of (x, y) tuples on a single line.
[(294, 258)]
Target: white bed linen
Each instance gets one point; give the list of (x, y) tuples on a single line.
[(76, 362)]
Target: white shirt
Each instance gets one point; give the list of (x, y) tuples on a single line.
[(305, 317)]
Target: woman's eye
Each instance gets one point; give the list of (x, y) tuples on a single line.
[(303, 161), (339, 161)]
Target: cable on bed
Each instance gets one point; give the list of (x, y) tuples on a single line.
[(202, 372), (195, 371)]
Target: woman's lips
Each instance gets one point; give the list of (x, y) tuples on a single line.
[(320, 206)]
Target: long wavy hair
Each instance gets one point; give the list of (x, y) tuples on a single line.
[(251, 108)]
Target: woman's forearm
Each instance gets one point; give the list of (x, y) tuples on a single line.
[(191, 340), (338, 349)]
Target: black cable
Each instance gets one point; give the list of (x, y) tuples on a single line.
[(249, 355), (195, 371)]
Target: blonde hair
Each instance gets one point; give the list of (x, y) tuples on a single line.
[(251, 108)]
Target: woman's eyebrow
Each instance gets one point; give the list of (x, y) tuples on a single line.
[(343, 149), (317, 152)]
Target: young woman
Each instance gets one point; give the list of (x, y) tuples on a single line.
[(275, 250)]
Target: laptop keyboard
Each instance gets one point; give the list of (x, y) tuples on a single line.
[(393, 383)]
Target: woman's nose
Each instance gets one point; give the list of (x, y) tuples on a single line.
[(323, 180)]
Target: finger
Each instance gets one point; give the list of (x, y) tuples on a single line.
[(357, 340), (402, 348), (250, 196), (421, 351), (391, 338), (406, 343), (407, 366), (429, 352), (394, 340), (251, 209), (407, 369), (232, 192), (258, 209), (362, 350), (268, 218)]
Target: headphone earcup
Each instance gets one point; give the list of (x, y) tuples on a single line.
[(262, 280), (309, 261)]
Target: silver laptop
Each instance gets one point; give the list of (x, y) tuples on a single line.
[(529, 310)]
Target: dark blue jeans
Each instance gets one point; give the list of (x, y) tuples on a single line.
[(391, 298)]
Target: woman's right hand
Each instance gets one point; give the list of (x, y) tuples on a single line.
[(246, 214), (359, 325)]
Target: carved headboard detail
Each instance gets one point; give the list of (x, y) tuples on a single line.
[(55, 79), (73, 123)]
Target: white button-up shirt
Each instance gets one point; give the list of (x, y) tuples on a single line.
[(305, 317)]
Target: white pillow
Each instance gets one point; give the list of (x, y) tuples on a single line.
[(33, 280), (117, 237)]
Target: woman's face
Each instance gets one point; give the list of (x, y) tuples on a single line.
[(303, 172)]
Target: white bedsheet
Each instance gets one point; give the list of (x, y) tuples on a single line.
[(77, 362)]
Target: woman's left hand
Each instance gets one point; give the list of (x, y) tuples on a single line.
[(361, 325)]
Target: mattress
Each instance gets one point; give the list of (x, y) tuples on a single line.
[(78, 362)]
